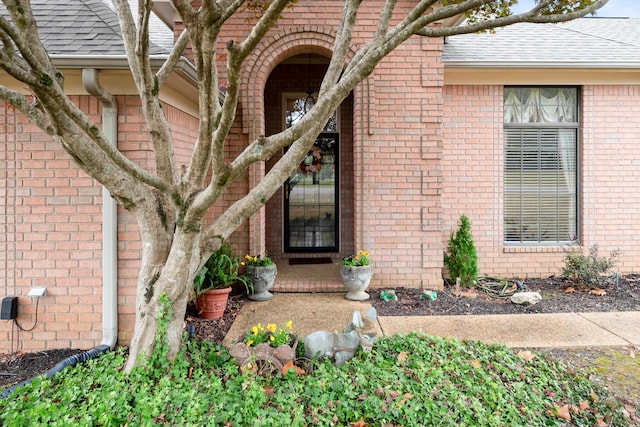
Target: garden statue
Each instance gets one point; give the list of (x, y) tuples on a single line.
[(342, 346)]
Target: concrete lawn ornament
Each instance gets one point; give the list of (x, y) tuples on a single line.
[(342, 346)]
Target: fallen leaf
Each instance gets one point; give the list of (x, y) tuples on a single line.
[(268, 391), (290, 365), (601, 422), (359, 423), (630, 409), (594, 397), (475, 363), (406, 397), (526, 355), (598, 292), (584, 405), (570, 290), (563, 412), (402, 356)]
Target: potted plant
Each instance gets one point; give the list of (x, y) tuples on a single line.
[(356, 272), (212, 284), (261, 272)]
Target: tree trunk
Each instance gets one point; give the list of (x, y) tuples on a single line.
[(173, 277)]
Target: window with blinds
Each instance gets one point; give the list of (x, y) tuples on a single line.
[(540, 179)]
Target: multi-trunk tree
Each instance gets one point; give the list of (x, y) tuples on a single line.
[(170, 205)]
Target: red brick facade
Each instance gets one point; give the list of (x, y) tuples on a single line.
[(415, 154)]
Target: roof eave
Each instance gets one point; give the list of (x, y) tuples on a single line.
[(543, 64), (111, 62)]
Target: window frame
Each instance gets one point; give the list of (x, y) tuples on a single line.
[(577, 127)]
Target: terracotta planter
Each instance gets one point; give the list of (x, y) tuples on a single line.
[(211, 303), (262, 278), (356, 280)]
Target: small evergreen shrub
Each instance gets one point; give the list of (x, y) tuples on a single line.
[(461, 258), (590, 270)]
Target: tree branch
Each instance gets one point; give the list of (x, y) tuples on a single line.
[(174, 57), (27, 107), (136, 42)]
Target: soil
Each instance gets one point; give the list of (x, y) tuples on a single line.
[(617, 368), (622, 294)]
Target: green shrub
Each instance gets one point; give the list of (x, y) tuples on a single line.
[(461, 258), (590, 270)]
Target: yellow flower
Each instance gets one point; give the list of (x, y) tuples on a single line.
[(254, 330), (249, 343), (272, 338), (289, 325), (271, 327), (260, 327), (248, 257), (364, 253)]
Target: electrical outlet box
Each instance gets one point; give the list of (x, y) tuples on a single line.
[(37, 292), (9, 308)]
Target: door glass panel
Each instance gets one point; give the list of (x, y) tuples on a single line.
[(311, 208)]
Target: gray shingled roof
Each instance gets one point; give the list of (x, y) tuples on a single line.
[(80, 28), (586, 42)]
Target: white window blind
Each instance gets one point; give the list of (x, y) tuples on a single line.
[(540, 185)]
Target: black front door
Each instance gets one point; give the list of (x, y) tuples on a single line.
[(311, 200)]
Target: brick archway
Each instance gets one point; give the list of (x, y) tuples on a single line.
[(272, 51)]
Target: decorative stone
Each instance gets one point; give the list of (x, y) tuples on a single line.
[(267, 358), (529, 298), (389, 295)]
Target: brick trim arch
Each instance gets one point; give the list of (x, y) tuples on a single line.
[(272, 51)]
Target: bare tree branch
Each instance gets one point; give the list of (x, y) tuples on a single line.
[(136, 42), (174, 57)]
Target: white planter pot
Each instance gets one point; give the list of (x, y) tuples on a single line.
[(356, 280)]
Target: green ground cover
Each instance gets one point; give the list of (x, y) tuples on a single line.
[(407, 380)]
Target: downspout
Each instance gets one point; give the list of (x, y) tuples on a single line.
[(109, 215)]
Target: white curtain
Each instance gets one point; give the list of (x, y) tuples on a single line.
[(540, 105)]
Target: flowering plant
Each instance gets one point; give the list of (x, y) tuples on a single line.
[(270, 334), (257, 260), (356, 260)]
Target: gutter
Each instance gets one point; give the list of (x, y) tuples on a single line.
[(183, 67), (109, 215), (543, 64)]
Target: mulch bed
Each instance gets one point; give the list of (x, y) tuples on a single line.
[(622, 296)]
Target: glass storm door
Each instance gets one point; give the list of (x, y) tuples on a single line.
[(311, 200)]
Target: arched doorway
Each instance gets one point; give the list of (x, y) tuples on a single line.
[(313, 216)]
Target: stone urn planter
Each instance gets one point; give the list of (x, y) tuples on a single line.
[(356, 280), (211, 303), (262, 279)]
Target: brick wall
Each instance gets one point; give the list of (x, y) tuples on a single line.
[(397, 139), (51, 224), (51, 227), (473, 162)]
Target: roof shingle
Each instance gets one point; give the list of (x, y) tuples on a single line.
[(604, 42)]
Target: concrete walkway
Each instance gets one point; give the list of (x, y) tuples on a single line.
[(331, 312)]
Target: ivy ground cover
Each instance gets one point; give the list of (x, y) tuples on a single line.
[(412, 380)]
